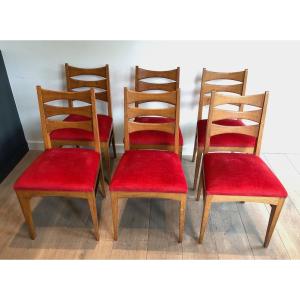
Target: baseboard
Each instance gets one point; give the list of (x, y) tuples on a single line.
[(35, 145)]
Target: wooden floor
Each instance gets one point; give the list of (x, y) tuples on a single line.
[(148, 228)]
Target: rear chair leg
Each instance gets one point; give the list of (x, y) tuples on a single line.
[(275, 212), (102, 181), (115, 214), (106, 159), (197, 168), (195, 148), (114, 144), (26, 209), (200, 184)]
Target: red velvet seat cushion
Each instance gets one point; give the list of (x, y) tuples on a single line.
[(149, 171), (104, 125), (63, 169), (227, 139), (240, 174), (153, 137)]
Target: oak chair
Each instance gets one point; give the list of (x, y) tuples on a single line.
[(155, 139), (224, 142), (149, 173), (64, 172), (105, 121), (230, 177)]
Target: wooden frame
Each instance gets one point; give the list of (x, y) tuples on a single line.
[(104, 95), (239, 88), (46, 111), (130, 112), (142, 86), (256, 130)]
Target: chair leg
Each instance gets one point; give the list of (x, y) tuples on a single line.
[(114, 144), (115, 214), (275, 212), (205, 216), (180, 152), (197, 168), (26, 209), (200, 184), (102, 181), (93, 209), (195, 147), (181, 217), (106, 159)]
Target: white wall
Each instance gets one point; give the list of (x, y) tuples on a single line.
[(273, 66)]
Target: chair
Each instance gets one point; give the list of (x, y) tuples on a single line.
[(105, 121), (63, 172), (225, 142), (149, 173), (155, 139), (230, 177)]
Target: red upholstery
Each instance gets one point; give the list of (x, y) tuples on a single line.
[(240, 174), (63, 169), (153, 137), (104, 125), (227, 139), (149, 171)]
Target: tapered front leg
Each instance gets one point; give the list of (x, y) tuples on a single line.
[(205, 216), (274, 215), (182, 217), (26, 209), (93, 209)]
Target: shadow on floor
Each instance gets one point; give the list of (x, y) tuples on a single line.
[(60, 223)]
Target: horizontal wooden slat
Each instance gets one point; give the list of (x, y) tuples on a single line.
[(102, 96), (232, 88), (76, 83), (74, 71), (51, 110), (48, 96), (253, 100), (221, 114), (53, 125), (206, 100), (148, 86), (143, 73), (165, 127), (169, 97), (237, 76), (251, 130), (162, 112)]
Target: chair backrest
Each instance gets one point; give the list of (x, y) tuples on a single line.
[(131, 112), (103, 83), (255, 117), (141, 85), (238, 86), (48, 110), (171, 75)]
